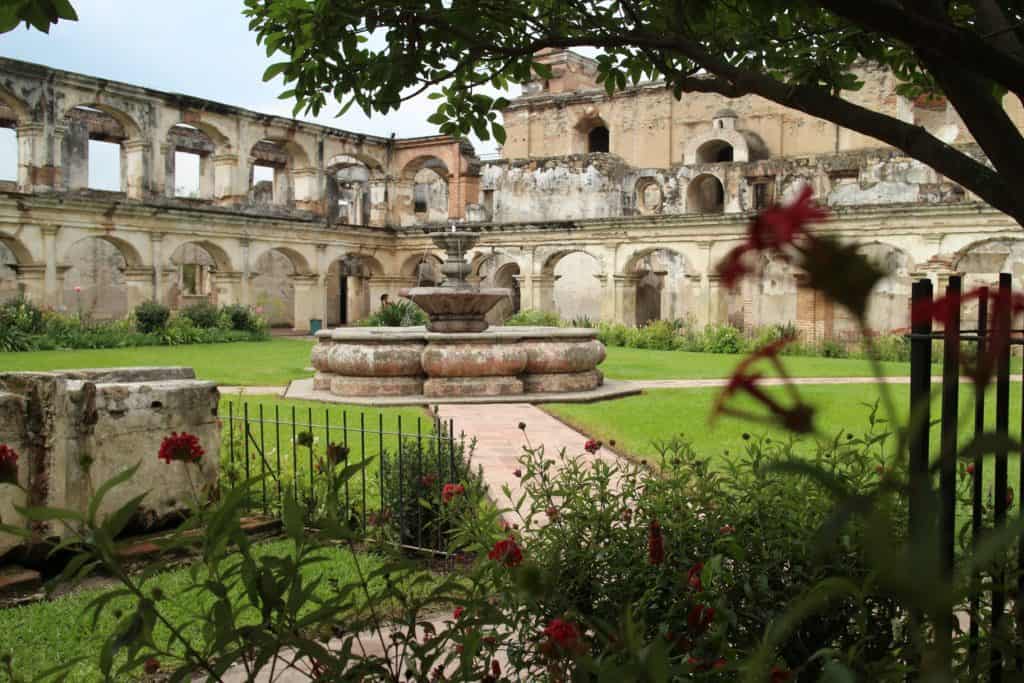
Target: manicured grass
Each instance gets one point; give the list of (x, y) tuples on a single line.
[(270, 363), (368, 433), (626, 363), (636, 423), (43, 635)]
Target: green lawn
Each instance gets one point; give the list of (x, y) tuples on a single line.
[(43, 635), (276, 362), (636, 422), (270, 363), (625, 363)]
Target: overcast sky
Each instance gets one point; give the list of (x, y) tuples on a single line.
[(197, 47)]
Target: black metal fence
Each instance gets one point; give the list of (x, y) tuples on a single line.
[(989, 342), (381, 475)]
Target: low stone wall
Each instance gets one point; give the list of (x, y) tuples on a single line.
[(501, 361), (74, 430)]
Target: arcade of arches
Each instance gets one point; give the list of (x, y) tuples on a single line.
[(600, 208)]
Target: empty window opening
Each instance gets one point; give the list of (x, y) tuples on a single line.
[(263, 183), (186, 175), (705, 195), (104, 166), (420, 193), (597, 139), (764, 194), (8, 154), (715, 152), (489, 202)]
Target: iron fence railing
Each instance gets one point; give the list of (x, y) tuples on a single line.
[(392, 471)]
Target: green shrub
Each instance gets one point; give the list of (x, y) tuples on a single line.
[(722, 338), (202, 314), (243, 318), (397, 314), (22, 314), (895, 347), (534, 318), (582, 321), (151, 317)]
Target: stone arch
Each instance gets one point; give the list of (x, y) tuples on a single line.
[(592, 134), (90, 160), (197, 266), (573, 276), (770, 299), (13, 254), (705, 194), (20, 253), (422, 270), (14, 115), (299, 263), (982, 261), (715, 151), (279, 172), (426, 179), (95, 282), (354, 286), (348, 188), (746, 146), (888, 305), (662, 287), (273, 284)]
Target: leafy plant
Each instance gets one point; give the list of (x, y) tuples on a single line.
[(397, 314), (534, 318), (151, 317), (202, 314)]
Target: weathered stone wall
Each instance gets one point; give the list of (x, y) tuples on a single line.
[(75, 430)]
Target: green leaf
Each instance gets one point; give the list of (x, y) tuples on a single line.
[(115, 522), (102, 491), (275, 69)]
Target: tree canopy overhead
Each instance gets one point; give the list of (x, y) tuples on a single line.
[(798, 53)]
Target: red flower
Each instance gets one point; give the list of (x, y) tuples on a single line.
[(970, 469), (458, 613), (733, 267), (727, 529), (495, 669), (700, 617), (592, 446), (655, 543), (151, 665), (799, 417), (779, 226), (449, 492), (428, 480), (552, 512), (693, 576), (517, 472), (780, 675), (184, 447), (8, 464), (564, 634), (506, 552)]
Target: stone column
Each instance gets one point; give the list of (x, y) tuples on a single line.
[(167, 151), (52, 286), (224, 166), (305, 190), (135, 168), (400, 200), (544, 292), (625, 298), (156, 241), (305, 301), (716, 300), (231, 282), (607, 299), (31, 158), (31, 282), (244, 294), (378, 189), (525, 291), (692, 304), (138, 284)]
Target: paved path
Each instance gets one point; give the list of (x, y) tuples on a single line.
[(252, 391), (500, 441)]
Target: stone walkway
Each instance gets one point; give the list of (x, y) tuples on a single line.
[(500, 441)]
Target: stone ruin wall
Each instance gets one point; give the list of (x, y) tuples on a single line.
[(75, 430)]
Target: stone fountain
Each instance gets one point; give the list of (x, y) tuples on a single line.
[(457, 356)]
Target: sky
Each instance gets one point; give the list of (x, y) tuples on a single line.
[(198, 47)]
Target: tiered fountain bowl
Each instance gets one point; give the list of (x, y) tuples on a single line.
[(457, 356)]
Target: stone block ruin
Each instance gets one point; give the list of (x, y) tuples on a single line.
[(76, 429)]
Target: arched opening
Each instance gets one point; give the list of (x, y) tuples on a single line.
[(188, 168), (498, 270), (8, 143), (348, 190), (350, 294), (981, 263), (272, 287), (575, 289), (888, 308), (705, 194), (196, 267), (8, 274), (428, 177), (94, 152), (661, 287), (271, 165), (94, 285), (598, 140), (424, 270), (648, 195), (714, 152)]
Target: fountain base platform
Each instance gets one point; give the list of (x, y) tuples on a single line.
[(412, 365)]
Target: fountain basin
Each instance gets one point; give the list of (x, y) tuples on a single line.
[(414, 361), (455, 310)]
